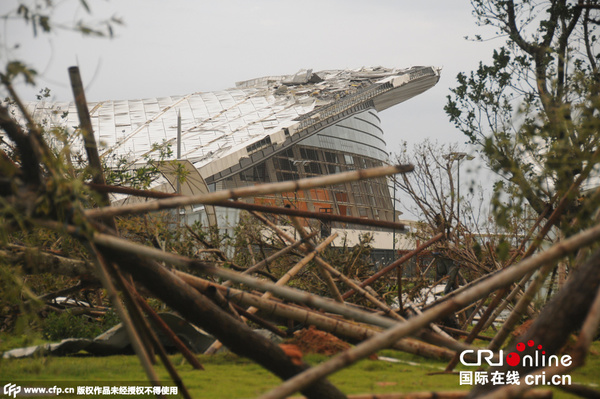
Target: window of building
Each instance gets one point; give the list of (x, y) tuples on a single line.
[(285, 164), (331, 157), (259, 145), (313, 168), (289, 153), (333, 169), (309, 153), (256, 173)]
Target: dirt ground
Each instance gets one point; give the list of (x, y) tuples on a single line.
[(311, 340)]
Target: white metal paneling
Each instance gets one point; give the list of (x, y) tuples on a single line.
[(220, 125)]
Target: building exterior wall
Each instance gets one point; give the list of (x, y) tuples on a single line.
[(354, 143)]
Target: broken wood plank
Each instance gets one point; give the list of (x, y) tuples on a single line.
[(368, 347), (249, 191)]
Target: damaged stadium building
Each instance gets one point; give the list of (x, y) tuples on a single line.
[(269, 129)]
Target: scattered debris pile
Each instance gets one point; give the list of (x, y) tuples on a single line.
[(311, 340)]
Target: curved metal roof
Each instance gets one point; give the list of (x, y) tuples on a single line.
[(221, 128)]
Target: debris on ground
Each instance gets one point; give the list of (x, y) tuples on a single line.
[(311, 340)]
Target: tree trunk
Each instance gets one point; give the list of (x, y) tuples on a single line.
[(200, 311), (336, 326), (563, 315)]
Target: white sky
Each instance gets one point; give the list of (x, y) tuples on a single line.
[(182, 46)]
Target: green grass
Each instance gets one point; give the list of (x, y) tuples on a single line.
[(8, 341), (225, 376), (228, 376)]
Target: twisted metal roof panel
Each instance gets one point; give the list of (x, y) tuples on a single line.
[(219, 127)]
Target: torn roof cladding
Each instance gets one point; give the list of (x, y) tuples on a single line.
[(219, 128)]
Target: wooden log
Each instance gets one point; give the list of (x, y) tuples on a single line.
[(199, 310), (286, 237), (336, 326), (517, 313), (464, 333), (303, 262), (158, 322), (87, 132), (477, 329), (284, 292), (35, 261), (158, 346), (269, 259), (384, 307), (570, 308), (140, 323), (275, 210), (249, 191), (283, 281), (125, 246), (503, 278), (259, 321), (433, 326), (351, 312), (136, 343), (333, 289)]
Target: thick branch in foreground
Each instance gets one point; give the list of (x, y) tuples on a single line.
[(250, 191), (563, 315), (386, 338), (335, 325), (276, 210), (197, 309)]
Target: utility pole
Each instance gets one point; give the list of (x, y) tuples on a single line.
[(457, 156)]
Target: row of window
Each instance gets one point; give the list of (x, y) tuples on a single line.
[(368, 198)]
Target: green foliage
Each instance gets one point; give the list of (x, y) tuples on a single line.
[(533, 111), (503, 250), (58, 326), (18, 304), (39, 15), (119, 170), (15, 69), (63, 325)]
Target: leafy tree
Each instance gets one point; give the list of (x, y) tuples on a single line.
[(533, 111)]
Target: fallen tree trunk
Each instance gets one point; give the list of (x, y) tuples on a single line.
[(199, 310), (505, 277), (562, 316), (335, 326)]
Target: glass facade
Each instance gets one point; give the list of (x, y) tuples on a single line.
[(354, 143)]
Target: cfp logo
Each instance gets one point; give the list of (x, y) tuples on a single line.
[(12, 389)]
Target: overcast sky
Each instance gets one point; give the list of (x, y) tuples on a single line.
[(181, 46)]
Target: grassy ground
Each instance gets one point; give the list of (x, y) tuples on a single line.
[(228, 376)]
